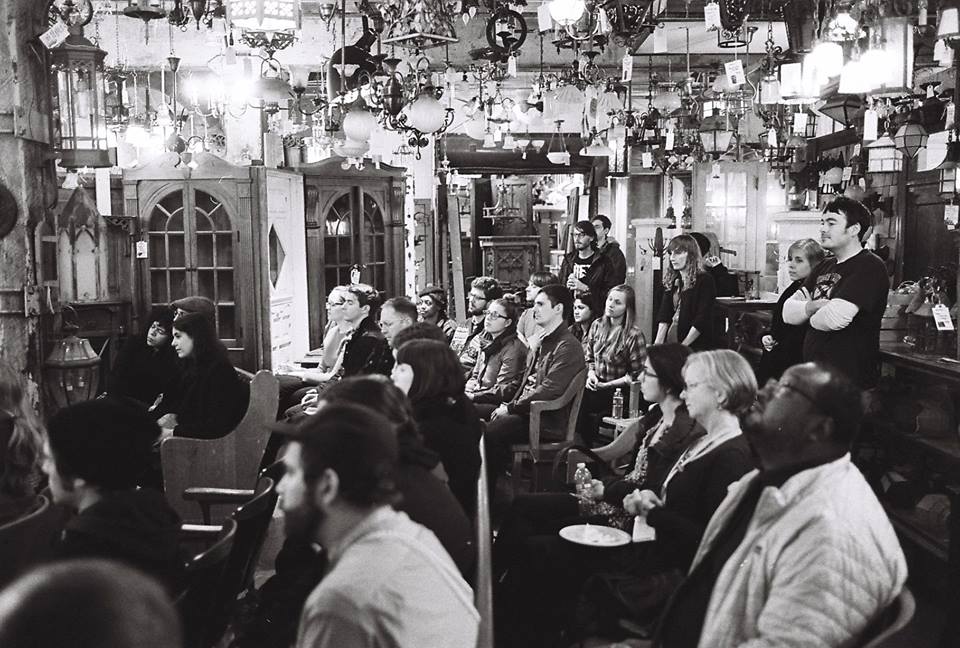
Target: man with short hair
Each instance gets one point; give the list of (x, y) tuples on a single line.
[(585, 269), (800, 553), (609, 248), (844, 298), (94, 455), (195, 304), (419, 331), (389, 582), (396, 314), (551, 367), (467, 338)]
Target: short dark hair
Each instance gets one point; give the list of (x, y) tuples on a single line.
[(542, 278), (603, 219), (437, 372), (841, 400), (667, 361), (161, 314), (379, 394), (106, 442), (366, 295), (490, 287), (402, 306), (419, 331), (359, 445), (587, 228), (558, 294), (87, 604), (854, 211), (206, 345)]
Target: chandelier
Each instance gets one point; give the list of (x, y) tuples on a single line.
[(417, 24)]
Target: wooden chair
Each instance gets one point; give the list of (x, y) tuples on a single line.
[(204, 578), (891, 621), (609, 454), (208, 497), (29, 540), (539, 452), (231, 461), (483, 583)]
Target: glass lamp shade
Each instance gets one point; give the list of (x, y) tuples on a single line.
[(667, 102), (770, 90), (426, 114), (948, 22), (271, 90), (567, 98), (894, 72), (358, 124), (910, 138), (351, 149), (714, 136), (264, 15), (827, 60), (559, 157), (566, 12), (883, 156), (475, 129), (948, 181), (72, 370), (856, 78), (842, 108)]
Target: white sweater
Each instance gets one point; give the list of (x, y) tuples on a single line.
[(818, 562)]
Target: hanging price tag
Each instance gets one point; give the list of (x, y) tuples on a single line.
[(941, 315), (943, 54), (800, 123), (659, 40), (646, 159), (734, 70), (856, 149), (55, 35), (141, 249), (847, 174), (657, 263), (602, 20), (627, 68), (772, 138), (668, 144), (711, 16), (950, 115), (512, 66), (715, 170), (544, 21), (870, 125), (951, 215)]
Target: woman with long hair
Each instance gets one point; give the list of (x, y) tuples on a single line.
[(686, 310), (146, 366), (583, 315), (783, 346), (211, 399), (21, 446), (499, 369), (431, 376), (614, 350)]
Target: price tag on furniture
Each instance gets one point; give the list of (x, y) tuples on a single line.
[(941, 315)]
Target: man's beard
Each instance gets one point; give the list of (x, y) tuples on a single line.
[(477, 312), (301, 524)]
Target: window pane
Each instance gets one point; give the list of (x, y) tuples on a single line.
[(158, 287), (226, 324), (204, 250), (206, 284), (225, 286), (158, 251), (178, 284), (175, 247), (224, 251)]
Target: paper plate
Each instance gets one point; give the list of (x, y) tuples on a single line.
[(595, 535)]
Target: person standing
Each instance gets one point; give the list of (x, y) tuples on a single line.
[(609, 248), (843, 299), (585, 269), (686, 310)]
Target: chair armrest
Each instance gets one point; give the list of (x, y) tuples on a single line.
[(621, 445), (200, 531), (218, 495)]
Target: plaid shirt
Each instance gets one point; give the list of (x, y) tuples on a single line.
[(610, 364)]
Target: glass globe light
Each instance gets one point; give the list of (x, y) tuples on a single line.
[(475, 129), (426, 114), (566, 12), (827, 58), (358, 124)]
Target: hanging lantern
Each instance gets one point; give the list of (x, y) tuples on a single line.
[(910, 138), (856, 78), (842, 108), (72, 370), (715, 136), (827, 60), (79, 114), (883, 156), (895, 69), (264, 15), (770, 90)]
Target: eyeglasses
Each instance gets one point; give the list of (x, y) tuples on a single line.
[(779, 388), (645, 371), (477, 297), (494, 315)]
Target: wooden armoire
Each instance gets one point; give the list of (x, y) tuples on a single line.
[(354, 219)]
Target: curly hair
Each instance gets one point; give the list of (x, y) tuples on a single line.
[(21, 436)]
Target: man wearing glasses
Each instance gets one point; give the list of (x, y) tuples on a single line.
[(800, 553), (585, 269), (466, 339)]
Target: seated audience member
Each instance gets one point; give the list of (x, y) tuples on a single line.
[(526, 326), (432, 309), (783, 346), (21, 446), (550, 370), (94, 455), (609, 248), (614, 350), (800, 553), (419, 331), (195, 304), (426, 498), (87, 604), (583, 316), (427, 372), (726, 281), (467, 338), (210, 399), (396, 314), (146, 366), (390, 581), (502, 359), (686, 310), (585, 269)]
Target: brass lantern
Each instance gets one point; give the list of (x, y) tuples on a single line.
[(80, 110), (72, 370)]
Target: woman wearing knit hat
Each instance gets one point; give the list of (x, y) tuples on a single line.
[(432, 308)]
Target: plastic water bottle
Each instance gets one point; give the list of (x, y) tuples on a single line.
[(582, 479), (617, 409)]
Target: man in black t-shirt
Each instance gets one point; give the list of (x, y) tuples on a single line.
[(585, 269), (843, 299)]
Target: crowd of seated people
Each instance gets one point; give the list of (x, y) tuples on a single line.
[(382, 460)]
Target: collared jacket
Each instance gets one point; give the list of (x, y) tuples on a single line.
[(818, 562), (499, 369), (466, 343), (550, 370)]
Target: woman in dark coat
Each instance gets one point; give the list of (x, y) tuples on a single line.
[(686, 310), (429, 372), (502, 360), (783, 346), (211, 399), (146, 367)]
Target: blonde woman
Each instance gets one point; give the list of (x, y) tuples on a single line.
[(21, 445), (686, 310)]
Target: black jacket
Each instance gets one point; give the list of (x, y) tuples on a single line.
[(696, 309), (367, 351), (136, 527), (789, 338), (618, 263), (600, 276), (209, 402), (142, 373)]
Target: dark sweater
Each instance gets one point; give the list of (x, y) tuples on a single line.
[(136, 527), (618, 263), (210, 401), (789, 348), (142, 372), (367, 352), (696, 310)]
